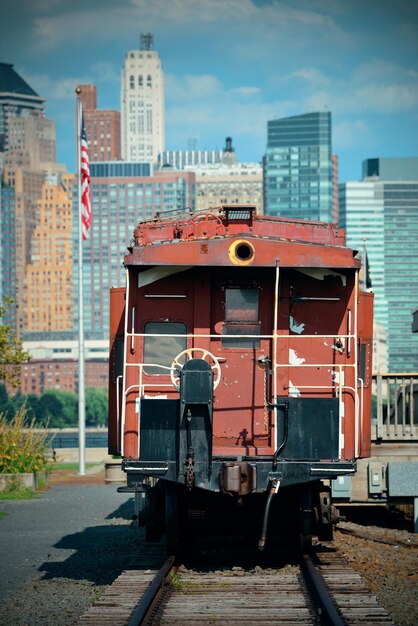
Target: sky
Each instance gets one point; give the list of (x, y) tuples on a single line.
[(230, 66)]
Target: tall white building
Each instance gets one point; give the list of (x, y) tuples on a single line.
[(142, 104)]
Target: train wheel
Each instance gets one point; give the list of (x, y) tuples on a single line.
[(175, 519), (325, 516), (305, 520)]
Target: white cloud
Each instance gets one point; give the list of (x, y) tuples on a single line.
[(107, 20), (247, 91), (351, 134), (373, 87), (310, 75), (393, 98), (190, 11), (191, 87), (239, 113), (56, 89)]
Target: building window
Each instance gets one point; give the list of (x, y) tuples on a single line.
[(131, 82)]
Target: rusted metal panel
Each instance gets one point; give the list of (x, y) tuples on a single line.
[(365, 333), (222, 222), (268, 253), (117, 315)]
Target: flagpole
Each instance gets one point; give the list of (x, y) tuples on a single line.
[(81, 376)]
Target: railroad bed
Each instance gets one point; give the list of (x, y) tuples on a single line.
[(322, 589)]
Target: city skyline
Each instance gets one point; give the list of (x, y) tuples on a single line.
[(230, 67)]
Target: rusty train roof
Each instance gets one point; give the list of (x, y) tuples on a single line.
[(237, 236)]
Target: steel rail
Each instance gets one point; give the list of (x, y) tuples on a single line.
[(139, 614), (366, 537), (320, 594)]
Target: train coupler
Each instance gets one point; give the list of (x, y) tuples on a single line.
[(238, 478)]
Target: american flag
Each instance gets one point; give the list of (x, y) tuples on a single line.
[(85, 183)]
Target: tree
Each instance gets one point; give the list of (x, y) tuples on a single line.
[(12, 353), (57, 408), (96, 406)]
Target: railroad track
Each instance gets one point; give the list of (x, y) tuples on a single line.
[(412, 543), (324, 589)]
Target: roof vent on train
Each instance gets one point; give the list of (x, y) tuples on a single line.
[(241, 252), (244, 214)]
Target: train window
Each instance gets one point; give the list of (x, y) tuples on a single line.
[(163, 350), (241, 305), (241, 318), (119, 346)]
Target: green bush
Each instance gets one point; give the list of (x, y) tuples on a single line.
[(22, 447)]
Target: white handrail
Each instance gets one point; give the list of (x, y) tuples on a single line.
[(118, 431), (122, 426)]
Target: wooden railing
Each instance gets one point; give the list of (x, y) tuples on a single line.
[(395, 413)]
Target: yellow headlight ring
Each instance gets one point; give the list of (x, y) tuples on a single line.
[(241, 252)]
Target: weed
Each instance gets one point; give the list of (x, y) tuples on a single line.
[(174, 580), (23, 448), (97, 595), (18, 494), (182, 586)]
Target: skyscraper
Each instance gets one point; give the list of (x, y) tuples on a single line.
[(380, 215), (7, 250), (142, 104), (122, 195), (102, 127), (49, 273), (17, 99), (298, 167), (35, 215)]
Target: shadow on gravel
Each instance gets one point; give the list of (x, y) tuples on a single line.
[(378, 516), (101, 553), (124, 511)]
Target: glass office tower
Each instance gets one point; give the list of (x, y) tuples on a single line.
[(298, 167), (381, 213)]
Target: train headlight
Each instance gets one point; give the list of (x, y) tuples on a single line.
[(241, 252)]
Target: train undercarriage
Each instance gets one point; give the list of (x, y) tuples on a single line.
[(295, 514)]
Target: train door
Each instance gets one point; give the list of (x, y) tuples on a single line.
[(317, 344), (316, 364), (242, 316)]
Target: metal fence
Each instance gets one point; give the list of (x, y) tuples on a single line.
[(395, 413), (70, 440)]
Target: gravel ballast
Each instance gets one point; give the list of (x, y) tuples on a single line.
[(61, 549)]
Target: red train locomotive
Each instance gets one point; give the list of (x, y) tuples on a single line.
[(240, 371)]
